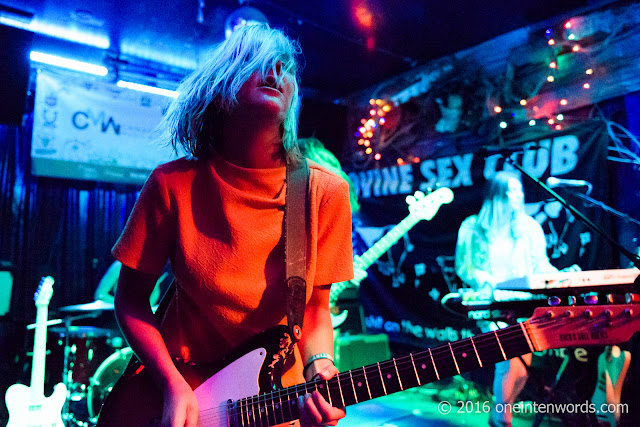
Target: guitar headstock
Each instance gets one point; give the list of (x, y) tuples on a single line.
[(426, 206), (558, 327), (44, 292)]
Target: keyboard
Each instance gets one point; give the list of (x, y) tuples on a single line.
[(585, 280)]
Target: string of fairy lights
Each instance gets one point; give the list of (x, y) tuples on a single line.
[(563, 40), (378, 109)]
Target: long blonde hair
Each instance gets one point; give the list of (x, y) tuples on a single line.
[(496, 211), (193, 120)]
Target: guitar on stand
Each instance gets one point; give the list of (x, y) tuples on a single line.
[(421, 207), (28, 406)]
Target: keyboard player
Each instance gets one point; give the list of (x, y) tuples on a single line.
[(501, 242)]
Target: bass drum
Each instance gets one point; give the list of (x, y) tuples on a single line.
[(105, 378)]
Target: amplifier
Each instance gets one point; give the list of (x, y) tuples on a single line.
[(355, 351)]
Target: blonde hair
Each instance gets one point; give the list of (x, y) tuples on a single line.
[(496, 212), (194, 119)]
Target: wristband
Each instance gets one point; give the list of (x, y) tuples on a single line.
[(314, 358)]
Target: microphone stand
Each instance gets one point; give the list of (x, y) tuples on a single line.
[(606, 207), (635, 259)]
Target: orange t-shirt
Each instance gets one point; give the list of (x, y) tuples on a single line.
[(221, 227)]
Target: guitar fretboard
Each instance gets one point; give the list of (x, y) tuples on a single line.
[(39, 354), (374, 252), (380, 379), (381, 246)]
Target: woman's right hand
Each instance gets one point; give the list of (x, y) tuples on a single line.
[(180, 406)]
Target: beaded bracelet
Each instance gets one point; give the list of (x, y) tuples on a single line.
[(316, 357)]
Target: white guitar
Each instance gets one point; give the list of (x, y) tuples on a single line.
[(28, 406), (421, 207), (244, 390)]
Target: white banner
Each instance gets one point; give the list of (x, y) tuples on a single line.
[(92, 130)]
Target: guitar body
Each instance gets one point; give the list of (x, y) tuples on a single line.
[(244, 390), (338, 319), (27, 405), (23, 412), (254, 368), (613, 365)]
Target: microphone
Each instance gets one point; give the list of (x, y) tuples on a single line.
[(553, 182)]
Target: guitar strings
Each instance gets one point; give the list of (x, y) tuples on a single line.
[(269, 397), (506, 337), (401, 363)]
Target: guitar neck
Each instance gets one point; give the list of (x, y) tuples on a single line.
[(402, 373), (39, 354), (365, 260), (421, 207)]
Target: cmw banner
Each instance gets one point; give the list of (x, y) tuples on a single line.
[(87, 129)]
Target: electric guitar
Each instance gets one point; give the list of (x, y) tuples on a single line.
[(613, 365), (245, 389), (28, 406), (421, 207)]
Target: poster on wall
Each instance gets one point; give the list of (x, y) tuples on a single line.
[(92, 130), (404, 288)]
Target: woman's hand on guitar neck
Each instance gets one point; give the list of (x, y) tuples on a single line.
[(314, 409), (180, 408)]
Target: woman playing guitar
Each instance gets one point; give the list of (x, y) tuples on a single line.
[(217, 215)]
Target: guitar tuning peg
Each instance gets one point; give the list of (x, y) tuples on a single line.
[(418, 195), (553, 301), (410, 200), (571, 300), (591, 299), (631, 298)]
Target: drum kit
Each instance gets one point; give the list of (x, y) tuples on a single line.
[(92, 359)]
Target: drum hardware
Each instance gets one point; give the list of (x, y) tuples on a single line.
[(49, 323), (82, 344), (104, 379), (91, 306), (84, 347)]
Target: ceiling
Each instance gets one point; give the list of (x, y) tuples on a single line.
[(348, 45)]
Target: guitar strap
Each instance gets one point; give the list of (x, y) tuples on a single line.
[(295, 218), (295, 235)]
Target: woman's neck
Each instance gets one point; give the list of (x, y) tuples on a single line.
[(250, 144)]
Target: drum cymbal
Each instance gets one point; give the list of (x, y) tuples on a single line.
[(82, 331), (91, 306)]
